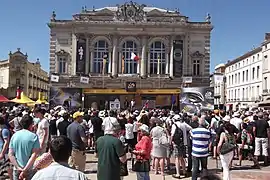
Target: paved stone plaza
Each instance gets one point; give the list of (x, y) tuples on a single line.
[(238, 174)]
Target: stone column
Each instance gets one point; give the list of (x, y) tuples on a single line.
[(74, 54), (114, 57), (167, 62), (91, 60), (87, 60), (171, 59), (143, 58), (110, 61)]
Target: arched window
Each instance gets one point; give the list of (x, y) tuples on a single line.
[(100, 49), (129, 66), (157, 58)]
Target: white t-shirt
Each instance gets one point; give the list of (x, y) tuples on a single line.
[(236, 122), (90, 126), (108, 124), (40, 130), (184, 127), (129, 131)]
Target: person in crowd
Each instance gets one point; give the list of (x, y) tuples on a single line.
[(63, 125), (178, 139), (52, 125), (160, 146), (226, 136), (110, 151), (236, 120), (76, 133), (129, 135), (97, 126), (60, 150), (106, 124), (215, 123), (5, 136), (261, 138), (246, 145), (194, 123), (43, 129), (15, 122), (24, 147), (200, 143), (143, 154)]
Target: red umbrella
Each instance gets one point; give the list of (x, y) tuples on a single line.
[(3, 99)]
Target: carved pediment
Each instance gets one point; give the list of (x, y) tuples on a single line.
[(130, 11), (104, 12), (62, 53), (197, 54), (155, 12)]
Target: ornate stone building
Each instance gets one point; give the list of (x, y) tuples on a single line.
[(18, 71), (98, 44)]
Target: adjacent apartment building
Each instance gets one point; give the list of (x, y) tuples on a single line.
[(18, 71), (152, 49), (244, 79), (266, 68), (218, 80)]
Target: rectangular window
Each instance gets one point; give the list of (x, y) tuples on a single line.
[(232, 79), (18, 81), (265, 83), (253, 73), (258, 72), (62, 65), (239, 77), (243, 77), (235, 78), (246, 75), (196, 67)]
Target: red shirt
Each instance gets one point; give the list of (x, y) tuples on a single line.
[(144, 144)]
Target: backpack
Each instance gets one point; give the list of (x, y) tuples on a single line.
[(178, 137)]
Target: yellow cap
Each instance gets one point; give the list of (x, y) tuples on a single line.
[(77, 114)]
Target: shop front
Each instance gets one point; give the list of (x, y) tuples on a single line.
[(100, 98)]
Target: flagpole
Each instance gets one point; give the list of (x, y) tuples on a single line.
[(103, 70)]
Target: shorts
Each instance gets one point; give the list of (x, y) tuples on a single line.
[(261, 143), (179, 150)]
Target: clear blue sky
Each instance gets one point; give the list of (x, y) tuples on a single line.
[(238, 24)]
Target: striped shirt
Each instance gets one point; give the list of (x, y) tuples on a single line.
[(200, 142)]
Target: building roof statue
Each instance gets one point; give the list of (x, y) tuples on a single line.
[(53, 16), (208, 18)]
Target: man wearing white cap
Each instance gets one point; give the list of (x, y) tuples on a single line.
[(179, 146), (110, 151), (236, 121)]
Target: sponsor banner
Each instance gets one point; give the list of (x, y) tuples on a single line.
[(197, 99), (178, 58), (81, 56), (68, 97)]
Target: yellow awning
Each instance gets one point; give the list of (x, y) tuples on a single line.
[(138, 91), (24, 100), (41, 102)]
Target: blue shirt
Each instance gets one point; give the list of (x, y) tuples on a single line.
[(5, 135), (200, 142), (22, 143)]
